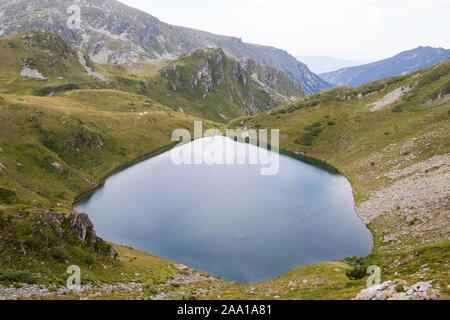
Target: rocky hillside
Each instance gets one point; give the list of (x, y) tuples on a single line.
[(390, 138), (207, 83), (42, 63), (114, 33), (401, 64)]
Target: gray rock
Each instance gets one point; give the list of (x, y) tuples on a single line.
[(389, 291), (84, 229)]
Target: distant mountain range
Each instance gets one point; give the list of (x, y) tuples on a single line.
[(323, 64), (112, 32), (401, 64)]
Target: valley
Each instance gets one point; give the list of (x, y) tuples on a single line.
[(68, 123)]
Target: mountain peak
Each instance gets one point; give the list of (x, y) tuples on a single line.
[(115, 33), (403, 63)]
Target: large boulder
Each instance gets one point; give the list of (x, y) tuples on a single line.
[(83, 228)]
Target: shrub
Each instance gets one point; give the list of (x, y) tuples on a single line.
[(4, 218), (58, 254), (373, 88), (305, 140), (50, 236), (397, 108), (316, 131), (331, 123), (17, 276), (24, 234), (357, 272), (309, 128), (317, 124), (359, 269), (7, 196), (83, 255)]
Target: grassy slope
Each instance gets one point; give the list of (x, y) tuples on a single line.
[(91, 132), (55, 60), (38, 131), (47, 53), (355, 135), (175, 88), (365, 146)]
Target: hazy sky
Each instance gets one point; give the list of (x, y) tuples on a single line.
[(348, 29)]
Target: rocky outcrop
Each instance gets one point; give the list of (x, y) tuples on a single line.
[(398, 290), (114, 254), (86, 137), (84, 229), (170, 70), (247, 86), (145, 84), (390, 98), (204, 77), (32, 73), (239, 73)]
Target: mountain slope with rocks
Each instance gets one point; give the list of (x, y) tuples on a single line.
[(209, 84), (54, 148), (205, 83), (401, 64), (112, 32)]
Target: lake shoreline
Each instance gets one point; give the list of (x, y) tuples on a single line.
[(293, 155)]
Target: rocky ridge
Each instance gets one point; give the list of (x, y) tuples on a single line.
[(112, 32)]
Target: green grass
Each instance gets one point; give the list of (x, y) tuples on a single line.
[(52, 148), (359, 134)]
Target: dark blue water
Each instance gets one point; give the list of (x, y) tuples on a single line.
[(229, 220)]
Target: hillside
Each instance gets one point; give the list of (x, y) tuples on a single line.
[(208, 84), (390, 138), (41, 63), (401, 64), (114, 33)]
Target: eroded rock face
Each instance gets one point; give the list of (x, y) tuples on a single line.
[(239, 73), (204, 77), (84, 229), (145, 84), (397, 290)]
